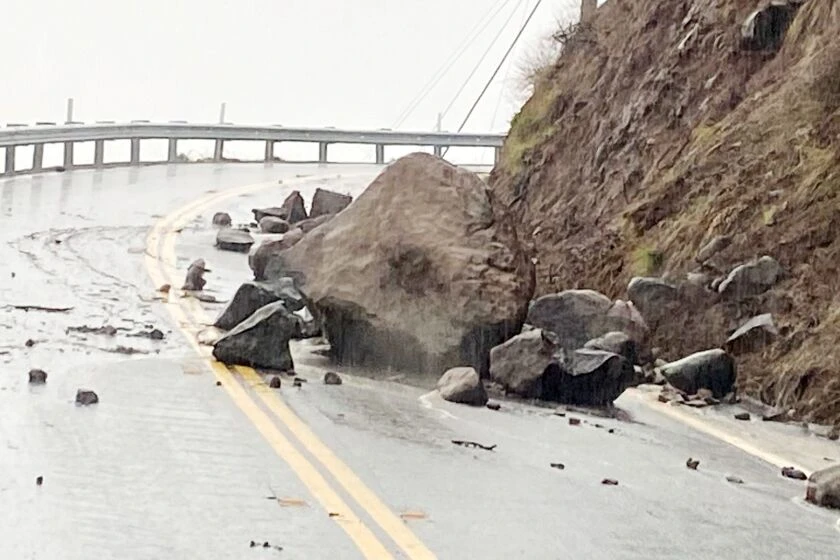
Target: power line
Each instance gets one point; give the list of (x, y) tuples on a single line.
[(483, 56), (504, 80), (501, 63), (471, 36)]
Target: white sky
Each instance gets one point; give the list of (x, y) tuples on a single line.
[(294, 62)]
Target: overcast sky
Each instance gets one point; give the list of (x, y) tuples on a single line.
[(343, 63)]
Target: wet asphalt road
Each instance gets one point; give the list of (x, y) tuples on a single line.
[(168, 466)]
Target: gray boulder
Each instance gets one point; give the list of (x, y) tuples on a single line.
[(520, 363), (261, 340), (710, 369), (326, 202), (616, 342), (272, 224), (237, 240), (824, 487), (293, 208), (752, 335), (195, 281), (222, 219), (253, 295), (594, 378), (462, 385), (651, 296), (751, 278), (85, 397), (275, 211)]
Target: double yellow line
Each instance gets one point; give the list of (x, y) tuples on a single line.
[(188, 313)]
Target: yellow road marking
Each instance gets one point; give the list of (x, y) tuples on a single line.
[(384, 517), (162, 265)]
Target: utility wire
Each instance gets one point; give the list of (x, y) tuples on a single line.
[(505, 79), (480, 60), (469, 39), (499, 67)]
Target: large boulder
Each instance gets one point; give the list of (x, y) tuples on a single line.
[(462, 385), (253, 295), (710, 369), (275, 211), (752, 335), (261, 340), (260, 257), (293, 208), (824, 487), (326, 202), (520, 363), (751, 278), (652, 296), (418, 273), (577, 316), (616, 342), (237, 240), (593, 377)]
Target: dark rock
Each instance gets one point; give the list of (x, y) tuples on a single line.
[(824, 488), (164, 289), (692, 464), (39, 481), (328, 202), (574, 421), (85, 397), (222, 219), (416, 283), (270, 224), (520, 363), (251, 296), (595, 378), (332, 378), (218, 383), (618, 343), (261, 340), (275, 382), (294, 208), (796, 474), (37, 376), (558, 466), (752, 335), (652, 296), (765, 28), (751, 278), (609, 482), (494, 406), (274, 211), (711, 369), (195, 276), (713, 247), (742, 416), (156, 334), (462, 385), (106, 330), (734, 480), (237, 240), (297, 382), (29, 343)]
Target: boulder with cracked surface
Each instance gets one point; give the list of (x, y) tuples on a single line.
[(419, 273), (251, 296), (261, 340)]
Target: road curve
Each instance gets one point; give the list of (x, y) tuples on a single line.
[(170, 465)]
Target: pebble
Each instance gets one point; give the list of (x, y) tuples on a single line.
[(37, 376), (610, 482), (332, 378), (29, 343), (39, 481), (742, 416), (275, 382), (559, 466), (574, 421), (218, 383), (494, 406), (692, 464), (85, 397), (793, 473), (734, 480)]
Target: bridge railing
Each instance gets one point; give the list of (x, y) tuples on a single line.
[(41, 134)]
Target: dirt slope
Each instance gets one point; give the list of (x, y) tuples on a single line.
[(656, 130)]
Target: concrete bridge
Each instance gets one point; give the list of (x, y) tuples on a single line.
[(70, 133)]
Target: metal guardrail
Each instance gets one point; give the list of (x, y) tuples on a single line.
[(68, 134)]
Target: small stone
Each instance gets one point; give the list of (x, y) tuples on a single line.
[(574, 421), (793, 473), (333, 514), (253, 544), (297, 382), (165, 288), (494, 406), (692, 464), (222, 219), (156, 334), (734, 480), (37, 376), (609, 482), (611, 431), (13, 274), (742, 416), (275, 382), (332, 378), (39, 481), (85, 397), (218, 383), (266, 545), (559, 466), (29, 343)]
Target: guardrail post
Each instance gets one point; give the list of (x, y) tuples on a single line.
[(68, 156), (380, 154), (439, 151), (219, 150), (99, 154), (135, 151), (497, 155), (322, 152), (37, 158), (172, 156), (269, 151), (10, 160)]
